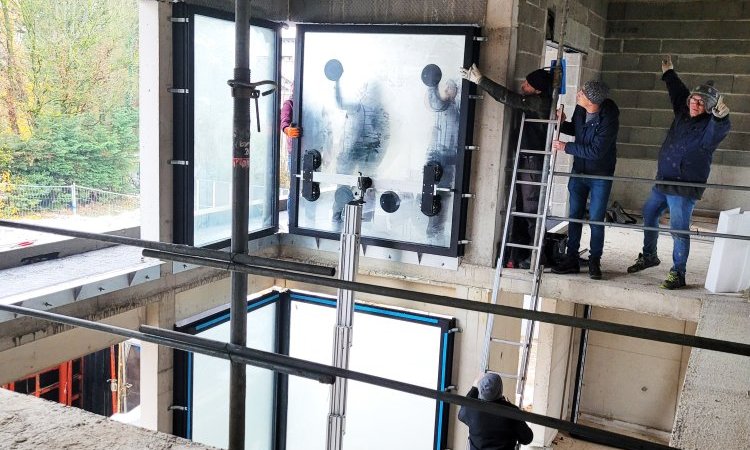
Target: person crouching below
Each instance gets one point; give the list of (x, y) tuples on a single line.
[(489, 431)]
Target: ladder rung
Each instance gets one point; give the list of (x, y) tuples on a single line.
[(523, 214), (535, 152), (515, 277), (532, 183), (533, 172), (541, 120), (528, 247), (508, 375), (509, 342)]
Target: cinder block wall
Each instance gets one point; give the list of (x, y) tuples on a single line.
[(707, 40)]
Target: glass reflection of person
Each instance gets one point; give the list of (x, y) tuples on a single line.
[(441, 100), (365, 134)]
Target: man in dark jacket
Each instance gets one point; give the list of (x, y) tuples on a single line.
[(488, 431), (700, 123), (534, 100), (595, 124)]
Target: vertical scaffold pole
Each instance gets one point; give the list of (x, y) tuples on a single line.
[(240, 209)]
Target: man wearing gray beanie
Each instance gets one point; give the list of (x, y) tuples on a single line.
[(488, 431), (701, 122), (595, 123)]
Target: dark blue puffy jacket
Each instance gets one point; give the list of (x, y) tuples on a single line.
[(687, 151), (594, 149)]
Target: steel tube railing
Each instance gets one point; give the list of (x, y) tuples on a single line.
[(652, 181), (177, 248), (327, 374), (740, 237), (737, 348)]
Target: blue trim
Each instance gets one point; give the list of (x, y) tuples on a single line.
[(224, 317), (443, 360), (366, 308), (189, 427), (307, 298), (398, 314)]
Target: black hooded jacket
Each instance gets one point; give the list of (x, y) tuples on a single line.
[(490, 432)]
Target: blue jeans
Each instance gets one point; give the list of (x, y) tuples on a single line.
[(580, 189), (680, 212)]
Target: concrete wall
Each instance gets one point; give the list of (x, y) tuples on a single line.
[(707, 40), (632, 380)]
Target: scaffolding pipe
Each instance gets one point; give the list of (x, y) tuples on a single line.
[(731, 187), (739, 237), (737, 348), (178, 248), (240, 211), (327, 374)]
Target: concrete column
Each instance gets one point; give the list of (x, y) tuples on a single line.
[(155, 118), (496, 61), (157, 369), (551, 371)]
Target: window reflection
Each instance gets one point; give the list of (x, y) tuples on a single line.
[(213, 109)]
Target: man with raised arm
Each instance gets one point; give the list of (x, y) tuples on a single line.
[(701, 122)]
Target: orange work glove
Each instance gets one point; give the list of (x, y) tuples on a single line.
[(292, 132)]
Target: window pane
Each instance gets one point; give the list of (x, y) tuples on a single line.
[(399, 349), (384, 112), (213, 109), (210, 414)]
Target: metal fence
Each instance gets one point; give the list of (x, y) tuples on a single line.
[(36, 201)]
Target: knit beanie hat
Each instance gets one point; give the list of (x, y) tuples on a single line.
[(595, 91), (708, 93), (490, 387), (541, 80)]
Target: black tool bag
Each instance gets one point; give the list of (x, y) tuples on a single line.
[(554, 249)]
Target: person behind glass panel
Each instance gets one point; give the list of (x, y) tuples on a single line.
[(440, 98), (290, 129), (365, 136)]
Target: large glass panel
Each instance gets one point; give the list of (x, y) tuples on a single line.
[(394, 348), (384, 112), (210, 413), (213, 110)]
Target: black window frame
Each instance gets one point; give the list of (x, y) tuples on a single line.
[(463, 159), (182, 376), (183, 117)]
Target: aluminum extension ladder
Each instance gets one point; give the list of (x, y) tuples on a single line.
[(545, 186)]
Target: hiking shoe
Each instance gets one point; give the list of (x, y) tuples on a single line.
[(595, 268), (644, 262), (674, 280), (568, 265)]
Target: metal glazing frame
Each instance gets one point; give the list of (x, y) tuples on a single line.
[(182, 425), (465, 140), (183, 116)]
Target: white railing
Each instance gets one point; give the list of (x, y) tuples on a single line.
[(30, 201)]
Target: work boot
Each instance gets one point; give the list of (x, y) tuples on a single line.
[(674, 280), (595, 268), (644, 262), (568, 265)]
